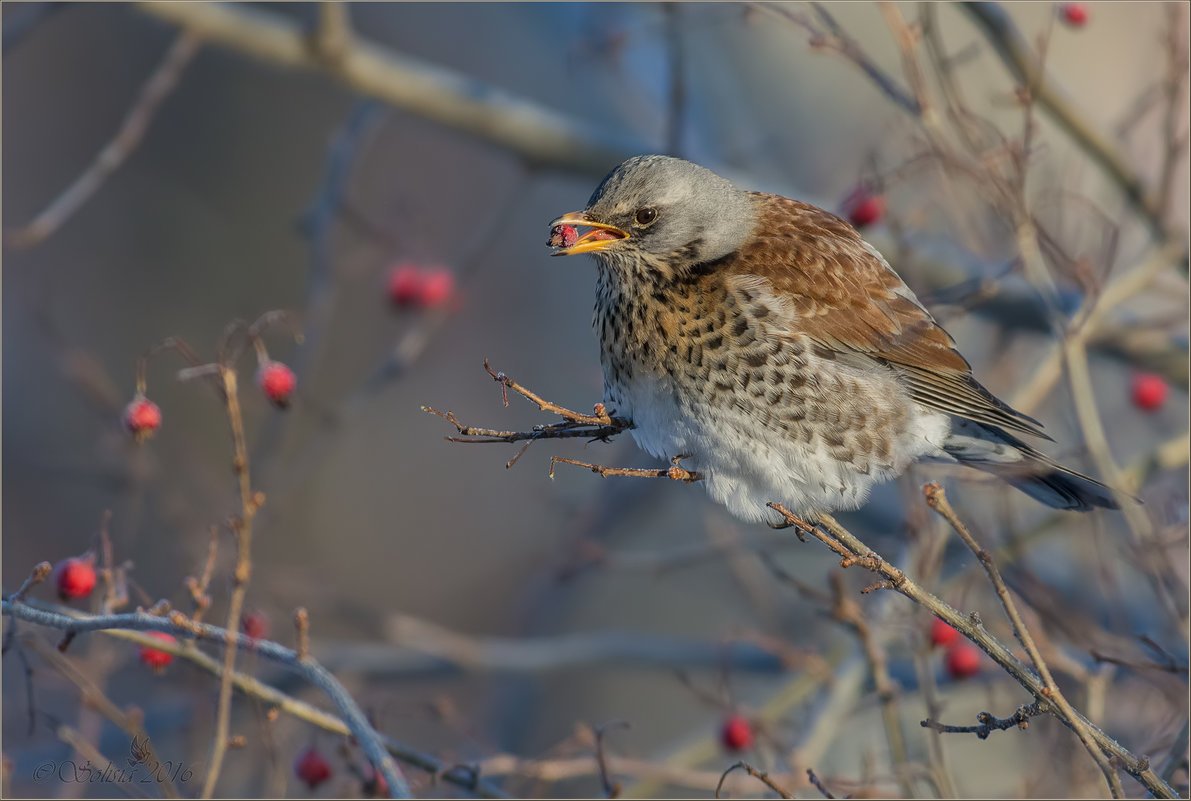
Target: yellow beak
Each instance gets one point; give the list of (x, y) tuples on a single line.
[(599, 237)]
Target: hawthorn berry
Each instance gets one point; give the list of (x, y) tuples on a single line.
[(1149, 391), (405, 285), (563, 236), (942, 634), (142, 417), (255, 625), (277, 381), (312, 767), (153, 658), (864, 207), (74, 578), (1074, 14), (736, 734), (962, 660), (375, 785), (438, 287)]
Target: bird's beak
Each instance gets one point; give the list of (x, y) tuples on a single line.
[(599, 237)]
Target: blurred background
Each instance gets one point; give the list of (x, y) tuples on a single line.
[(170, 168)]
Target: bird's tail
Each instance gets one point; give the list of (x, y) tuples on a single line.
[(1031, 471)]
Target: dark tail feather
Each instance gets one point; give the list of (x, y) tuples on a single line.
[(1034, 473)]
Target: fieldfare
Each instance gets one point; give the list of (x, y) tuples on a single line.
[(763, 341)]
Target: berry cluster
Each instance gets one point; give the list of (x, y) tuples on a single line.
[(411, 286), (961, 658)]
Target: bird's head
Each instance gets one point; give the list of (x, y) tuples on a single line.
[(662, 213)]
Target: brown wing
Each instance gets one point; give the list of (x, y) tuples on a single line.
[(845, 296)]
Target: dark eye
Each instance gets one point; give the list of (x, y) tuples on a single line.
[(646, 215)]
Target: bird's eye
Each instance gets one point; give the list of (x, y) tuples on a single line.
[(646, 215)]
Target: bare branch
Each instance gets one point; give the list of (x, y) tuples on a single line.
[(759, 775), (537, 134), (160, 85)]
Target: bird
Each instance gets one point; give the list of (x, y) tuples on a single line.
[(765, 345)]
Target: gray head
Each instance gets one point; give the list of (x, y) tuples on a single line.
[(663, 212)]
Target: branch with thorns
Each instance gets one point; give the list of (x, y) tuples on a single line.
[(1108, 754)]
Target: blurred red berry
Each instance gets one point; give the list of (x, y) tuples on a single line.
[(563, 236), (1149, 391), (142, 417), (941, 634), (277, 381), (864, 207), (74, 578), (1074, 14), (312, 768), (255, 625), (405, 285), (438, 287), (375, 785), (737, 733), (153, 658), (962, 660)]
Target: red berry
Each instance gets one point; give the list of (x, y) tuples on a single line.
[(255, 625), (375, 785), (438, 286), (864, 207), (277, 381), (942, 634), (405, 285), (1149, 391), (142, 417), (962, 660), (563, 236), (737, 733), (312, 768), (75, 578), (153, 658), (1074, 14)]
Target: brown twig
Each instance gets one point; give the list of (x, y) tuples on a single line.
[(759, 775), (853, 552), (936, 498), (611, 789), (302, 626), (156, 89), (93, 697), (674, 472)]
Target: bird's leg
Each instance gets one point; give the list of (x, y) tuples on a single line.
[(790, 520)]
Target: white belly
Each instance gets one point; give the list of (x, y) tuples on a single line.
[(744, 467)]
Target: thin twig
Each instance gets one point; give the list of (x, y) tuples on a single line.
[(988, 723), (674, 472), (156, 89), (759, 775), (818, 783), (936, 498), (854, 552)]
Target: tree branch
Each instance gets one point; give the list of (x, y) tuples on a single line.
[(537, 134)]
